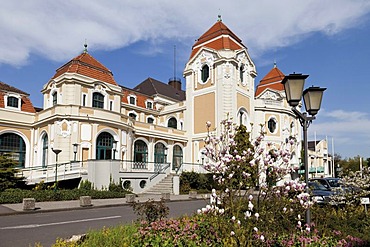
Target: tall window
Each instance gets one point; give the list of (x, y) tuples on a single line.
[(104, 146), (84, 100), (140, 154), (55, 98), (14, 146), (160, 153), (45, 149), (177, 157), (205, 73), (241, 74), (150, 120), (98, 100), (172, 123), (12, 101)]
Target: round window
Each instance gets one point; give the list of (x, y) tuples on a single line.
[(142, 184), (271, 125), (126, 185)]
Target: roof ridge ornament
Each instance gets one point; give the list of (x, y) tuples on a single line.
[(85, 45), (219, 18)]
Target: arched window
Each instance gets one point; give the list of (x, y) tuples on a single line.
[(177, 157), (160, 153), (272, 125), (104, 146), (172, 123), (132, 115), (98, 100), (45, 149), (205, 73), (12, 101), (150, 120), (55, 98), (14, 146), (140, 155)]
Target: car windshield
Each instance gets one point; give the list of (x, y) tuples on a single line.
[(316, 186), (334, 182)]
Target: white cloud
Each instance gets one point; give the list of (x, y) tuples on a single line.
[(57, 29)]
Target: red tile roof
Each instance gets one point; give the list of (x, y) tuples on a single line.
[(222, 38), (86, 65), (272, 81)]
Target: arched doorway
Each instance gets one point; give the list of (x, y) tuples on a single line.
[(140, 155), (14, 146), (160, 156), (177, 157), (104, 146)]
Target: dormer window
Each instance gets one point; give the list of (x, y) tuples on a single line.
[(55, 98), (98, 100), (12, 102), (149, 105), (132, 100), (204, 73)]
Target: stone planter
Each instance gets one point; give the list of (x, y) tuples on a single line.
[(28, 204), (85, 201), (130, 198), (166, 196), (193, 194)]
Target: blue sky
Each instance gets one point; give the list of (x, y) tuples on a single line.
[(329, 40)]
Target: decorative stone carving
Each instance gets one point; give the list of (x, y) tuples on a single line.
[(64, 128)]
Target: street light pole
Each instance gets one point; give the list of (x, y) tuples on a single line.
[(114, 149), (56, 151), (75, 150), (312, 96)]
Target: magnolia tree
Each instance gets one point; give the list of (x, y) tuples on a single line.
[(241, 165)]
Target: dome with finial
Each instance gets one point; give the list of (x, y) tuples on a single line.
[(87, 65), (272, 81)]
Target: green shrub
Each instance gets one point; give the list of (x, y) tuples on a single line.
[(17, 195), (196, 181), (85, 185)]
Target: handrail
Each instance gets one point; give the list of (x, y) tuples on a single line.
[(160, 171)]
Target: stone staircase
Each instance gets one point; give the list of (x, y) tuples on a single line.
[(164, 186)]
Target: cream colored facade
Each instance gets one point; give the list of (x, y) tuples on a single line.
[(84, 108)]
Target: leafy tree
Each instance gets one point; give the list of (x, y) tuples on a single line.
[(8, 173)]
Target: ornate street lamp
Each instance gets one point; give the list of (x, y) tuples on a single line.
[(56, 151), (114, 149), (312, 96), (75, 145)]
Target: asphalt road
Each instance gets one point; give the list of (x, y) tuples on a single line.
[(28, 229)]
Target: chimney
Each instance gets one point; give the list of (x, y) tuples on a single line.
[(175, 82)]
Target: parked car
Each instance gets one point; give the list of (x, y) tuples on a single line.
[(319, 193), (336, 184)]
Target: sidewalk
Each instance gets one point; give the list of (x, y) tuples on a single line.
[(17, 208)]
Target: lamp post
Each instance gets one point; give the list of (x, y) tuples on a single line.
[(56, 151), (114, 149), (312, 96), (75, 145)]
